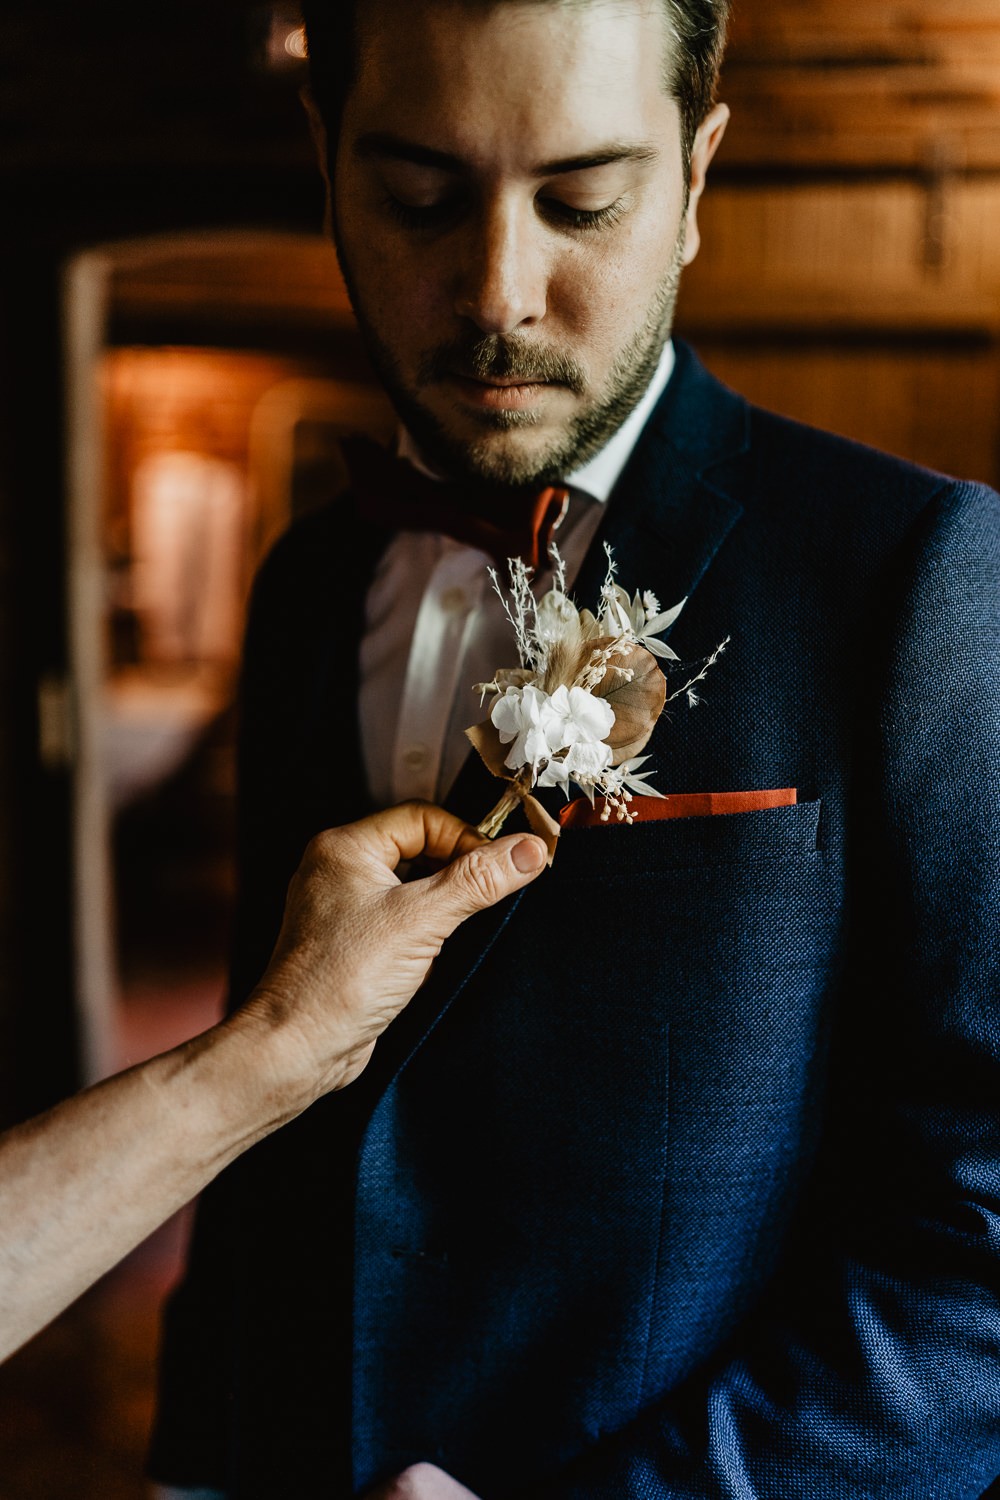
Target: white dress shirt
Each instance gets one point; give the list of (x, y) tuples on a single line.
[(434, 627)]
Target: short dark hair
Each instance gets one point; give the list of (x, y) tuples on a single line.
[(699, 28)]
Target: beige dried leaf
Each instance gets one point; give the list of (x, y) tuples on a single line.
[(589, 625), (514, 677), (486, 739), (637, 703), (556, 618), (541, 822)]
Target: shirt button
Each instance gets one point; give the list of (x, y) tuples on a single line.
[(454, 601), (416, 757)]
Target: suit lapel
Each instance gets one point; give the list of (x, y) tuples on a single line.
[(669, 514), (672, 508)]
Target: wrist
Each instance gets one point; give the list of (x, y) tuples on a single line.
[(246, 1079), (281, 1057)]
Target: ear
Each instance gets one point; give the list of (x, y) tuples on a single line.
[(321, 142), (706, 142)]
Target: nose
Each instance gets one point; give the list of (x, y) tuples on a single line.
[(503, 278)]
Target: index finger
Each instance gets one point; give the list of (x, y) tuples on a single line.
[(413, 829)]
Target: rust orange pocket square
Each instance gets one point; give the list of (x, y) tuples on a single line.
[(580, 814)]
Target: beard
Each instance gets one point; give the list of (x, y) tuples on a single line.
[(513, 357)]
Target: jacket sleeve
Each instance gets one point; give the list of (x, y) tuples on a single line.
[(871, 1367)]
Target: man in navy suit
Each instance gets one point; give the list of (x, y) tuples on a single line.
[(681, 1177)]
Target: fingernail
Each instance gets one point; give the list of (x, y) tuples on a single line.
[(527, 856)]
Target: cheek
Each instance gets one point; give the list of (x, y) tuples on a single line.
[(395, 290), (604, 292), (401, 288)]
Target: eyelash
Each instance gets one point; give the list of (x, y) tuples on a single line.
[(436, 215), (411, 217), (589, 218)]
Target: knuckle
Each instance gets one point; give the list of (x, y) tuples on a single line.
[(323, 851), (322, 845), (482, 875)]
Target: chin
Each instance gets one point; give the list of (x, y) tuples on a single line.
[(510, 450), (511, 456)]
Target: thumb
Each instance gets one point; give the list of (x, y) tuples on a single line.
[(480, 879)]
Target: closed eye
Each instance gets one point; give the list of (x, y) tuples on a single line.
[(583, 218), (440, 213), (423, 215)]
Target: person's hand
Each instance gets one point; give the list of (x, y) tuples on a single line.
[(356, 942), (81, 1185), (421, 1482)]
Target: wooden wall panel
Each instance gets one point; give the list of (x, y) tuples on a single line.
[(821, 31), (940, 409), (850, 264), (294, 278), (848, 254), (862, 85)]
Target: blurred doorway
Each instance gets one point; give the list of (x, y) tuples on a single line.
[(210, 377)]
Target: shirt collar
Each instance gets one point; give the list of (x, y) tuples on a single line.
[(600, 474)]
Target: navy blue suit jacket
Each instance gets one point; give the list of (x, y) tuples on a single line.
[(681, 1178)]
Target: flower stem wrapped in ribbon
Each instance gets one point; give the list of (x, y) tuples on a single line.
[(583, 702)]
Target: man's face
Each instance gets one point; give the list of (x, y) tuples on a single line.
[(512, 215)]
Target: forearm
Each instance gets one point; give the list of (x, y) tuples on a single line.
[(83, 1184)]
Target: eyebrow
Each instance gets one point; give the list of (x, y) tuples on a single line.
[(381, 143)]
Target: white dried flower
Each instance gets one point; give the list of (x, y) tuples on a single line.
[(554, 719)]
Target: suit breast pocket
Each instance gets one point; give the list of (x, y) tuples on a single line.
[(607, 854), (728, 923)]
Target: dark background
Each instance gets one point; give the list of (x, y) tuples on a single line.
[(115, 122)]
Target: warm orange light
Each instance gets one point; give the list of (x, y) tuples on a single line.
[(296, 45)]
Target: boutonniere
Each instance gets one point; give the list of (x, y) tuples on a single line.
[(584, 700)]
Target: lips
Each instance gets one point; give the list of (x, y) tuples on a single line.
[(499, 393)]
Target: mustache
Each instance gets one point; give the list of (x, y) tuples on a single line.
[(500, 357)]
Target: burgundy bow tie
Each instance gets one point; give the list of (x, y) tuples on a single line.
[(501, 520)]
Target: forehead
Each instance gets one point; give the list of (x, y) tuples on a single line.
[(496, 82)]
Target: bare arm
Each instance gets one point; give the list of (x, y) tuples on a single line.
[(83, 1184)]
